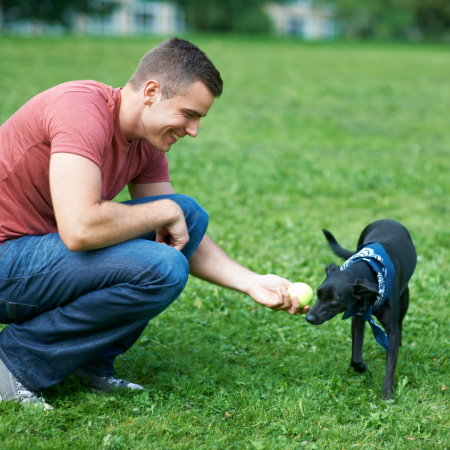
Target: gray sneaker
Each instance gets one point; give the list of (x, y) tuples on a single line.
[(12, 389), (105, 384)]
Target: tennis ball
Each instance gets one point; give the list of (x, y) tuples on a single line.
[(302, 291)]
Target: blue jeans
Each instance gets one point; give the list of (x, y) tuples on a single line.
[(68, 310)]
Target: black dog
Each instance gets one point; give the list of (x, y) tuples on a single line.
[(376, 271)]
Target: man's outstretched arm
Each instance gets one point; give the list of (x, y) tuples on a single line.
[(211, 263)]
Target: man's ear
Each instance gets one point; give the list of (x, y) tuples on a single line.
[(364, 288), (151, 91), (331, 268)]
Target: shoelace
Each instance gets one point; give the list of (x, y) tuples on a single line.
[(28, 397), (114, 381), (24, 394)]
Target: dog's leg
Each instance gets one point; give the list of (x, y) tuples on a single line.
[(357, 344), (403, 307), (389, 320)]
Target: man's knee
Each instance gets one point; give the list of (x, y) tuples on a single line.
[(196, 220), (195, 214), (164, 279), (174, 270)]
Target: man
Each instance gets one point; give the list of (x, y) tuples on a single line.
[(80, 275)]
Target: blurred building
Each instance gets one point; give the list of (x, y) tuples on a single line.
[(303, 19), (110, 17), (307, 19), (125, 17)]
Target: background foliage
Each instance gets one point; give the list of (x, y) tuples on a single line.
[(53, 11), (394, 19), (305, 136), (226, 16), (374, 19)]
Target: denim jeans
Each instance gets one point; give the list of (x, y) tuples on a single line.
[(68, 310)]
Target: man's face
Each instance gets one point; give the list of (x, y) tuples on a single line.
[(165, 122)]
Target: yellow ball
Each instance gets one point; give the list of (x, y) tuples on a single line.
[(302, 291)]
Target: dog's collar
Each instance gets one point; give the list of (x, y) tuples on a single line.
[(377, 258)]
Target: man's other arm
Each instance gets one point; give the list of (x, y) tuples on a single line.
[(86, 222), (150, 189)]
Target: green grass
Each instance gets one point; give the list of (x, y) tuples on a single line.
[(306, 136)]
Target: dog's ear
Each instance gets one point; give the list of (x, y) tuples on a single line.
[(364, 288), (331, 268)]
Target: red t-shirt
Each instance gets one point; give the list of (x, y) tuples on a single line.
[(80, 117)]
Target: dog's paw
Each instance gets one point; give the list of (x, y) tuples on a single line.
[(388, 395), (359, 366)]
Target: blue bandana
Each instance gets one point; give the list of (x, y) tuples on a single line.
[(377, 258)]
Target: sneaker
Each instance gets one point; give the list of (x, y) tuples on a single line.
[(12, 389), (105, 384)]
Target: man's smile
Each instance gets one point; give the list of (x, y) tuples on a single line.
[(175, 136)]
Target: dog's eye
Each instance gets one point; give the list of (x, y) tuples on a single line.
[(333, 300)]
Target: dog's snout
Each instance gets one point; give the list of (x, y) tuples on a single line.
[(311, 318)]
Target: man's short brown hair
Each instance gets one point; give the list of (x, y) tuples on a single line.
[(176, 64)]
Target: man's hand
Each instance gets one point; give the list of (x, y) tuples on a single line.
[(271, 291), (176, 231)]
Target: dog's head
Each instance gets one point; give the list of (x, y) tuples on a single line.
[(340, 292)]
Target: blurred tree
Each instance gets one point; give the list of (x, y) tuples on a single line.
[(246, 16), (375, 18), (393, 18), (433, 17), (53, 11)]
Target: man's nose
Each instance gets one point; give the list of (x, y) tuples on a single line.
[(192, 128)]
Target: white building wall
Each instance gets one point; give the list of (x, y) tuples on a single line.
[(300, 19), (135, 17)]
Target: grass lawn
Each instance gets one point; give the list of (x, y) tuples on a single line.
[(305, 136)]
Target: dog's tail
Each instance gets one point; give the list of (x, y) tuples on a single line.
[(336, 247)]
